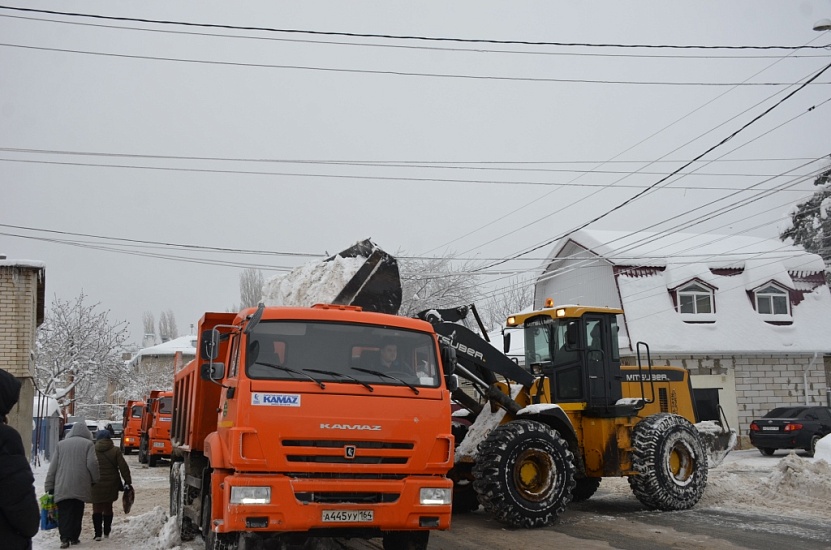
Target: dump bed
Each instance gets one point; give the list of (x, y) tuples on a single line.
[(195, 400)]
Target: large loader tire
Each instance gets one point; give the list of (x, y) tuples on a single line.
[(524, 474), (585, 488), (671, 463)]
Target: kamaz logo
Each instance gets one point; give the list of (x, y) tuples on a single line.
[(275, 399), (461, 348), (360, 427)]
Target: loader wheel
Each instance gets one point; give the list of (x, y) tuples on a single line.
[(524, 474), (671, 463), (406, 540), (585, 488)]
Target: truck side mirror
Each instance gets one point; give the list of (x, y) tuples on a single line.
[(212, 371), (210, 344), (448, 359), (506, 342), (452, 382)]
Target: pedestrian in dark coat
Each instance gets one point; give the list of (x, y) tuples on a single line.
[(19, 510), (72, 472), (113, 468)]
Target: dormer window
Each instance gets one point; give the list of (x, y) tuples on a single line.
[(695, 298), (772, 300)]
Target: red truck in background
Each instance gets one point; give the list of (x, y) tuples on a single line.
[(131, 422), (155, 427)]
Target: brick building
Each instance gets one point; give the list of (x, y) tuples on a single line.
[(22, 292)]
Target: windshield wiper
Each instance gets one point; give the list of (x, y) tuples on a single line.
[(385, 375), (340, 374), (286, 369)]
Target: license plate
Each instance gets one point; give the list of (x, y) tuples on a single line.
[(770, 428), (347, 516), (158, 444)]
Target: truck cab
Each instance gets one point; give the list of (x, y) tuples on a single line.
[(154, 443), (294, 428), (131, 421)]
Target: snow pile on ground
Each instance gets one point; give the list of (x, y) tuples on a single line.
[(823, 449), (310, 284), (796, 476)]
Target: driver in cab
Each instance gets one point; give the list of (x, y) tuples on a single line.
[(388, 357)]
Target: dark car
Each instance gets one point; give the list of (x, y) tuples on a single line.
[(116, 428), (790, 428)]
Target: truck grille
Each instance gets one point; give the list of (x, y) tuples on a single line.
[(305, 451), (346, 498)]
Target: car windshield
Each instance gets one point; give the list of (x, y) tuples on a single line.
[(341, 353), (116, 426)]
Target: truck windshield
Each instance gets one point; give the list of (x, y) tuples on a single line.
[(166, 405), (330, 352)]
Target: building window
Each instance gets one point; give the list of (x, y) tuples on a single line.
[(695, 298), (772, 300)]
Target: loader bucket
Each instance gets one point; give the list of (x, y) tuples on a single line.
[(376, 286), (717, 441)]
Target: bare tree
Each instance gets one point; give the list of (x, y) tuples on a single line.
[(435, 283), (78, 352), (167, 326), (250, 288), (517, 295)]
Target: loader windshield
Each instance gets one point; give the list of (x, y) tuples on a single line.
[(545, 343), (341, 353)]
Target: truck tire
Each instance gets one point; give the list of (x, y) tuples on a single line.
[(152, 460), (187, 530), (215, 541), (584, 489), (524, 474), (671, 463), (406, 540), (142, 452)]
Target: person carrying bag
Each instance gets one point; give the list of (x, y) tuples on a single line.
[(113, 468)]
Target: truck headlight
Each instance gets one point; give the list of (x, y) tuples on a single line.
[(434, 497), (250, 495)]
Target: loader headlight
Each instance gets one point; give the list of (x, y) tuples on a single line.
[(250, 495), (434, 497)]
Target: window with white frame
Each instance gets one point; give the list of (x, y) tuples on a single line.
[(695, 298), (772, 300)]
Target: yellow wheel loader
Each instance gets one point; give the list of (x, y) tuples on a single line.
[(545, 434)]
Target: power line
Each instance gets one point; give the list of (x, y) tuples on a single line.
[(401, 37), (395, 73), (477, 50), (664, 179)]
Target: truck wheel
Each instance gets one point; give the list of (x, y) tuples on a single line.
[(524, 474), (406, 540), (152, 460), (215, 541), (187, 531), (671, 463), (585, 488), (142, 452)]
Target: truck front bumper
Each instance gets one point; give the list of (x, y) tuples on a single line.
[(298, 505)]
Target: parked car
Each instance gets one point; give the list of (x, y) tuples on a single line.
[(790, 427)]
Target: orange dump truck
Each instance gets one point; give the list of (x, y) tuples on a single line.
[(286, 428), (155, 427), (133, 411)]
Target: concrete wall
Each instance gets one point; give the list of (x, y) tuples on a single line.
[(19, 295)]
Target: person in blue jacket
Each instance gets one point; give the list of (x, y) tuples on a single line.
[(19, 510)]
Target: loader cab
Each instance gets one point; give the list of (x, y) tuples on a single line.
[(577, 349)]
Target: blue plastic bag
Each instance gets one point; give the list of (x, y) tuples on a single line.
[(48, 512)]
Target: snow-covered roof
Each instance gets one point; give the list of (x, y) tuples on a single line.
[(647, 249), (184, 344), (34, 264)]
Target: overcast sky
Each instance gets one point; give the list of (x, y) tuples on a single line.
[(119, 138)]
